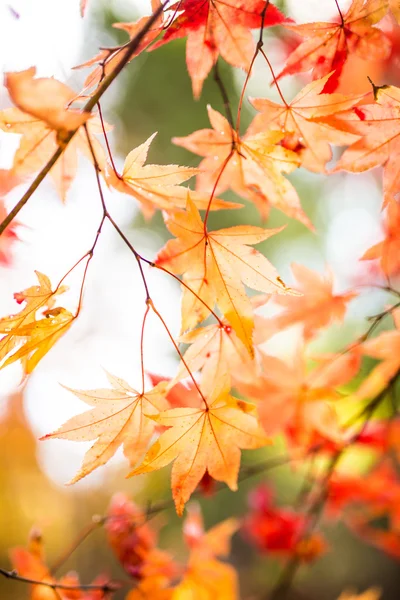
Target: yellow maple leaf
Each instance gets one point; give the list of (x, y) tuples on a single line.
[(120, 417), (200, 439)]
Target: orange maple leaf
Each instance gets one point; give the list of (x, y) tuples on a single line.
[(386, 348), (121, 417), (200, 439), (217, 27), (251, 166), (156, 186), (316, 307), (135, 544), (205, 576), (327, 45), (394, 6), (217, 352), (34, 336), (388, 250), (379, 126), (371, 594), (216, 263), (291, 399), (30, 563), (308, 138), (44, 120), (213, 543)]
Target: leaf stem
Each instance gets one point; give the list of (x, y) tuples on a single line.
[(339, 11), (259, 45), (224, 94), (171, 337), (142, 344), (274, 78)]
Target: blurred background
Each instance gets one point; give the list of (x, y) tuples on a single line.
[(154, 94)]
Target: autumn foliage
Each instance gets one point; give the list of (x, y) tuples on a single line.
[(230, 392)]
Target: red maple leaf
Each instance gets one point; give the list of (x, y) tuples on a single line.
[(218, 27)]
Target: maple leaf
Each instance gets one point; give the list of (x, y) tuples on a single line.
[(41, 335), (307, 137), (206, 577), (135, 543), (217, 27), (200, 439), (251, 166), (30, 563), (155, 186), (327, 45), (120, 417), (368, 499), (216, 263), (371, 594), (385, 347), (44, 120), (379, 126), (279, 531), (394, 6), (179, 394), (45, 99), (377, 492), (37, 336), (290, 399), (388, 250), (317, 306), (213, 543), (217, 352)]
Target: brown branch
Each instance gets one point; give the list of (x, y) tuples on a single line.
[(98, 521), (105, 587), (90, 104), (225, 97)]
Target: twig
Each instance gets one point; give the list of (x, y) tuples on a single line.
[(105, 587), (90, 104), (224, 94)]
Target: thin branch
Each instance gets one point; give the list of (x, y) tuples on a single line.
[(246, 472), (90, 104), (107, 142), (32, 188), (224, 94), (105, 587)]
